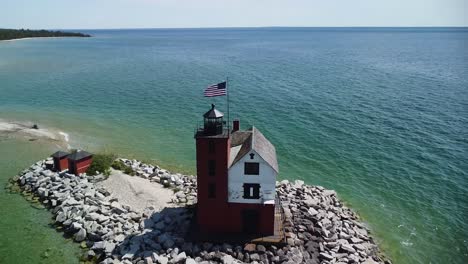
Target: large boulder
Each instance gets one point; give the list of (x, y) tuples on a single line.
[(80, 235)]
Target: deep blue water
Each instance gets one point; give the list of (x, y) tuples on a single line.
[(379, 114)]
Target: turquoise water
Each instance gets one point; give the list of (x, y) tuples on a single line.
[(380, 115), (25, 232)]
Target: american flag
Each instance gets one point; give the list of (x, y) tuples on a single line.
[(215, 90)]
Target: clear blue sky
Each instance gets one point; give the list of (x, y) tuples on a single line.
[(88, 14)]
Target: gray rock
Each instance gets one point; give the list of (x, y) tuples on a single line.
[(128, 255), (119, 238), (370, 261), (312, 211), (298, 184), (348, 248), (355, 240), (117, 208), (326, 256), (80, 235), (155, 256), (71, 201), (108, 261), (343, 235), (61, 217), (359, 247), (100, 245), (228, 259), (190, 261), (254, 257), (261, 248), (162, 260), (90, 253), (76, 226), (180, 257), (148, 260), (180, 194), (329, 193), (109, 247)]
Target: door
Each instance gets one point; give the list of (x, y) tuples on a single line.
[(71, 167), (250, 221)]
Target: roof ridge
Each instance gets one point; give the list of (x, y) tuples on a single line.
[(253, 138)]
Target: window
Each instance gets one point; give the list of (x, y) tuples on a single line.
[(251, 191), (212, 190), (211, 167), (251, 168), (211, 147)]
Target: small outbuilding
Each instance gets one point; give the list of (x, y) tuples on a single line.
[(79, 162), (60, 160)]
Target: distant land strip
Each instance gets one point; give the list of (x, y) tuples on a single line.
[(9, 34)]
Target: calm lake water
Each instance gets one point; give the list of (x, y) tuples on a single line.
[(380, 115)]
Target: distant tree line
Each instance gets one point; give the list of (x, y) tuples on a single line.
[(6, 34)]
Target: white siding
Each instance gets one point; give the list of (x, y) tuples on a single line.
[(237, 178)]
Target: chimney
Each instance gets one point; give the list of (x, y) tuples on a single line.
[(235, 125)]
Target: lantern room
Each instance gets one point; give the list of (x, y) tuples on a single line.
[(213, 122)]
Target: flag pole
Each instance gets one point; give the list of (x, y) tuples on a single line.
[(227, 99)]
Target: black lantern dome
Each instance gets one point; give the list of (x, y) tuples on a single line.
[(213, 121)]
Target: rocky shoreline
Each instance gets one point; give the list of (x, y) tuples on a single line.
[(318, 227)]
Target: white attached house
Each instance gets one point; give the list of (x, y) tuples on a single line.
[(252, 168)]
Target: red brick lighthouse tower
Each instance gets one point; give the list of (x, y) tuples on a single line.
[(212, 142), (236, 178)]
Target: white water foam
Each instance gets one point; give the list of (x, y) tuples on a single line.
[(66, 137), (406, 243)]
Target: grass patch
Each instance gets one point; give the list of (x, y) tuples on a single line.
[(120, 165), (101, 163)]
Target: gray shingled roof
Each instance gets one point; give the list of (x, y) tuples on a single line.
[(213, 113), (79, 155), (253, 139), (60, 154)]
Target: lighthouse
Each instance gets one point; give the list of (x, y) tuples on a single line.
[(236, 177)]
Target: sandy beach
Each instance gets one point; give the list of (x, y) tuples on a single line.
[(137, 192), (25, 131), (9, 40)]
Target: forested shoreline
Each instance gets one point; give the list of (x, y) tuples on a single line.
[(8, 34)]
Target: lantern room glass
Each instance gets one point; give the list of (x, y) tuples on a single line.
[(213, 126)]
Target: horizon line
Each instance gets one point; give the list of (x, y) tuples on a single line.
[(236, 27)]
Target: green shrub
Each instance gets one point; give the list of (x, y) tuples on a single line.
[(118, 165), (101, 162), (107, 173), (128, 170)]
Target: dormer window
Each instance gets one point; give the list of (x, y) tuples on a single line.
[(251, 168)]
